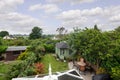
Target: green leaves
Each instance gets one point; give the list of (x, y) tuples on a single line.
[(36, 33)]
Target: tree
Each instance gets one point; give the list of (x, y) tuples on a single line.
[(3, 33), (61, 31), (117, 29), (96, 27), (91, 44), (36, 33), (2, 47)]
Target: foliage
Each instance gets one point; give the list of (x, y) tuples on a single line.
[(36, 33), (23, 55), (0, 41), (49, 47), (3, 33), (2, 49), (62, 31), (90, 42), (4, 68), (37, 47), (39, 67), (22, 68), (101, 71), (116, 73), (99, 48)]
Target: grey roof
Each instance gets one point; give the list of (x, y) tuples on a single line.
[(16, 48), (62, 45)]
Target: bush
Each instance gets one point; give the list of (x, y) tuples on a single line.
[(39, 67), (116, 73), (24, 67), (49, 48), (101, 71), (2, 49), (23, 55)]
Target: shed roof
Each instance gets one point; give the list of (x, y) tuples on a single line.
[(16, 48), (62, 45)]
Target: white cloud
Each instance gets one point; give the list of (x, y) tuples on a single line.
[(92, 12), (115, 18), (88, 17), (18, 23), (72, 2), (80, 1), (48, 8), (70, 15), (9, 5), (72, 18), (55, 1)]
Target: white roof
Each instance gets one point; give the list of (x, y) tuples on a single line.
[(54, 77)]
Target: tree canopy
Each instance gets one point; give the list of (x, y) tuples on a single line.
[(4, 33), (101, 49), (36, 33)]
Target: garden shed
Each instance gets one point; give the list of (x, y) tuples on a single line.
[(62, 50), (13, 52)]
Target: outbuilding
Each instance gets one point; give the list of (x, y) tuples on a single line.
[(62, 50), (13, 52)]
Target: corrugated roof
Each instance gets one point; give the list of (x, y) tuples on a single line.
[(16, 48), (62, 45)]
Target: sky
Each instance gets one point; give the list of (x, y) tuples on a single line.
[(20, 16)]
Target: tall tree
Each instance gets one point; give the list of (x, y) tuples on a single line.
[(96, 27), (117, 29), (61, 31), (3, 33), (36, 33)]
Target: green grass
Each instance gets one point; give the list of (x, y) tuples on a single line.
[(56, 65), (48, 58), (3, 70), (4, 67)]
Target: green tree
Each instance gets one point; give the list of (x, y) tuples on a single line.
[(36, 33), (96, 27), (61, 31), (91, 44), (2, 47), (3, 33)]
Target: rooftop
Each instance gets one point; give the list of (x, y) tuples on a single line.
[(16, 48)]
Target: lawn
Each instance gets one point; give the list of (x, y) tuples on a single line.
[(48, 58), (4, 67), (56, 65)]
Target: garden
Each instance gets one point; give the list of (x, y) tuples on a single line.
[(101, 49)]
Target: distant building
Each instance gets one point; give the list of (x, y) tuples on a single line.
[(9, 37), (13, 52)]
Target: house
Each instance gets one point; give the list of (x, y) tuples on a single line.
[(62, 50), (9, 37), (13, 52)]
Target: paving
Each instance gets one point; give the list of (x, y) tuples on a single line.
[(86, 75)]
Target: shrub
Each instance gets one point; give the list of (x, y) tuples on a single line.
[(2, 49), (101, 71), (24, 67), (23, 56), (39, 67), (116, 73)]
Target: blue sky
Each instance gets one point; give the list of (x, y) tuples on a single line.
[(20, 16)]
